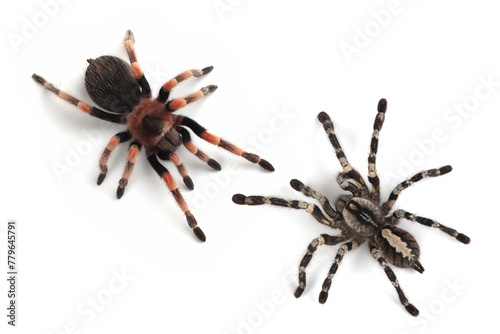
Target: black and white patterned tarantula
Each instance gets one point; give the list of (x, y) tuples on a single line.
[(361, 217)]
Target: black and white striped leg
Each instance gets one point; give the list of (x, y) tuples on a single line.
[(387, 206), (431, 223), (323, 296), (372, 168), (313, 209), (377, 254), (346, 185), (324, 239), (308, 191), (346, 166)]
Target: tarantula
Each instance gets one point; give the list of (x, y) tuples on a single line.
[(125, 96), (361, 216)]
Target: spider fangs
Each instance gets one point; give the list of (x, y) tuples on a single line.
[(361, 216), (125, 96)]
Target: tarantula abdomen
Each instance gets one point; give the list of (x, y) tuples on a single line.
[(399, 247)]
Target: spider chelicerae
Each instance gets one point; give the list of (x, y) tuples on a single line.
[(125, 96), (361, 217)]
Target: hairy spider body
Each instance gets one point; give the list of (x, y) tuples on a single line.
[(361, 216), (125, 96)]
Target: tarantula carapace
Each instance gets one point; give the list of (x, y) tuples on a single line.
[(361, 217), (125, 96)]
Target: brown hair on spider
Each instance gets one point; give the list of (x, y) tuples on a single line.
[(123, 93)]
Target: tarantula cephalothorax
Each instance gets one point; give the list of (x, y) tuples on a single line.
[(124, 94), (361, 216)]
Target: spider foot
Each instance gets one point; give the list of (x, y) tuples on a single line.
[(298, 292), (188, 182), (101, 178), (121, 188), (207, 69), (266, 165), (194, 225), (323, 296), (463, 238), (412, 310), (296, 184), (239, 199), (199, 234), (214, 164), (208, 89)]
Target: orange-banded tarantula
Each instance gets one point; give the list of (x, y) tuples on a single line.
[(125, 96), (361, 216)]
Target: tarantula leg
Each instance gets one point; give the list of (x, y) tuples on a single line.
[(133, 152), (173, 105), (324, 239), (172, 186), (92, 111), (392, 277), (387, 206), (431, 223), (308, 191), (372, 169), (346, 166), (136, 68), (313, 209), (113, 143), (201, 132), (169, 85), (323, 296), (182, 170), (344, 184), (186, 140)]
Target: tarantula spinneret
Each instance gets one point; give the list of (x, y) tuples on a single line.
[(361, 216), (125, 96)]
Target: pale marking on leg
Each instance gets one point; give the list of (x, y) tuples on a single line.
[(310, 208)]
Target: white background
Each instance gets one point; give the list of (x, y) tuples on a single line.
[(277, 65)]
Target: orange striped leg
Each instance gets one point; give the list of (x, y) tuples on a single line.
[(170, 84), (182, 102), (136, 68), (133, 152), (92, 111), (200, 131), (172, 186), (186, 140), (113, 143), (182, 170)]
